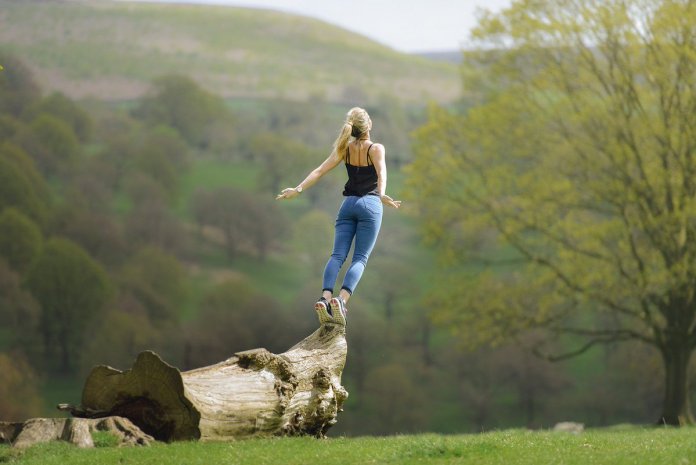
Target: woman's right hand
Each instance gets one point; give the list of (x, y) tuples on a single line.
[(288, 193), (386, 200)]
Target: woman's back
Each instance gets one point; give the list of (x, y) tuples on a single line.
[(359, 153), (362, 175)]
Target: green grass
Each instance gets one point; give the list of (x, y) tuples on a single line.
[(211, 174), (619, 446)]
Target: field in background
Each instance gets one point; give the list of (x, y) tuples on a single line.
[(112, 50)]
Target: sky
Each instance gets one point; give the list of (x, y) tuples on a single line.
[(410, 26)]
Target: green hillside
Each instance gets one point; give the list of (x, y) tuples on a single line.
[(111, 50)]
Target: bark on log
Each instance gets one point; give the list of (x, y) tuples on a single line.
[(77, 431), (252, 393)]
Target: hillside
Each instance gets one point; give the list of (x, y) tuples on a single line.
[(111, 50)]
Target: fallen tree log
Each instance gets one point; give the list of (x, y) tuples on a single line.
[(252, 393)]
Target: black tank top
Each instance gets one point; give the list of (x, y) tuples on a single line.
[(362, 180)]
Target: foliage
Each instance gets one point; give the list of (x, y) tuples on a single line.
[(9, 126), (283, 160), (158, 281), (177, 101), (52, 144), (20, 239), (163, 157), (26, 165), (245, 220), (313, 232), (578, 160), (234, 317), (17, 190), (18, 89), (120, 335), (19, 313), (113, 206), (72, 289), (150, 222), (63, 108), (19, 397), (96, 231)]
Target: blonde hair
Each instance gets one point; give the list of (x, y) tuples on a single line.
[(357, 122)]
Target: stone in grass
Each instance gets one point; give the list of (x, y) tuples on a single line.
[(569, 427), (78, 431)]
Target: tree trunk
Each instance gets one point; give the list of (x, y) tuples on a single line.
[(252, 393), (676, 408)]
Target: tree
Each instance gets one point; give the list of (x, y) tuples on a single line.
[(19, 394), (313, 248), (98, 233), (9, 126), (52, 144), (163, 157), (262, 219), (17, 190), (64, 109), (150, 221), (283, 160), (158, 281), (19, 313), (20, 239), (179, 102), (72, 289), (244, 220), (391, 386), (118, 337), (565, 197), (233, 315), (18, 89), (27, 167)]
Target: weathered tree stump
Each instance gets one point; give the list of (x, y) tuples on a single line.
[(252, 393), (74, 430)]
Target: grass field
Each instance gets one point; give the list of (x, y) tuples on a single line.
[(111, 50), (615, 446)]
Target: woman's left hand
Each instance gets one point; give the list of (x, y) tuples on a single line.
[(386, 200), (287, 193)]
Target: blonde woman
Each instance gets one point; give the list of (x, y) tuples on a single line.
[(360, 215)]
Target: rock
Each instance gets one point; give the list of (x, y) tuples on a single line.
[(569, 427), (77, 431)]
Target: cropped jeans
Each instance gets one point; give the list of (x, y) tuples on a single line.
[(359, 218)]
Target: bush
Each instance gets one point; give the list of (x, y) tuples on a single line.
[(20, 239)]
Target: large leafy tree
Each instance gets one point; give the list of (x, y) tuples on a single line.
[(72, 289), (179, 102), (18, 90), (569, 181), (158, 281), (20, 239)]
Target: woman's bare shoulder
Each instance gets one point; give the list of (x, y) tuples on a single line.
[(378, 148)]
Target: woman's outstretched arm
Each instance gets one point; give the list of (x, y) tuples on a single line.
[(330, 163)]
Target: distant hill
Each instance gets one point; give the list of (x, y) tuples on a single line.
[(111, 50), (450, 56)]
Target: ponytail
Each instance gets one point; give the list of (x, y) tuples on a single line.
[(357, 123), (340, 145)]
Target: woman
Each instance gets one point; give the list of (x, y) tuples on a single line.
[(360, 215)]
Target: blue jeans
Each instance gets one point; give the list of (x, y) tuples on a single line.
[(359, 218)]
